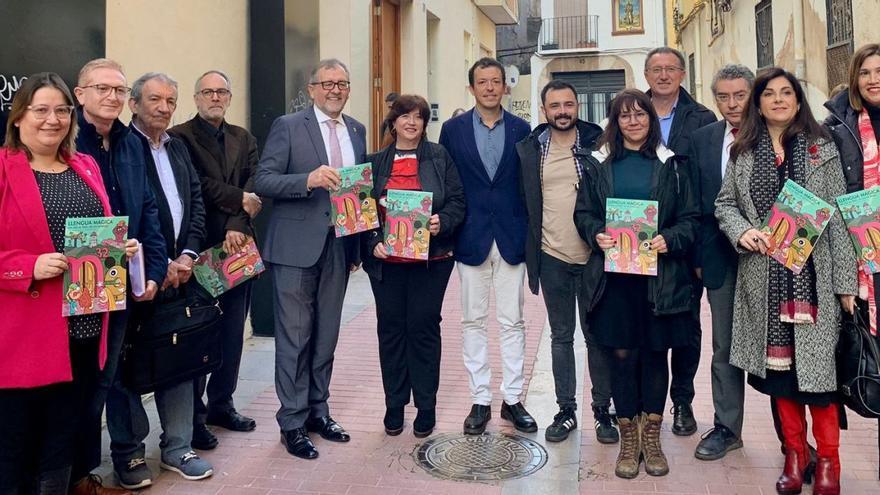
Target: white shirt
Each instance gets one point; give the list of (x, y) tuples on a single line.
[(725, 146), (166, 178), (341, 135)]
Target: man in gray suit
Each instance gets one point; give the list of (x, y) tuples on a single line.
[(308, 263)]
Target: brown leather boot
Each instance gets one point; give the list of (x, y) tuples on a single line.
[(652, 451), (92, 485), (827, 481), (630, 448), (791, 481)]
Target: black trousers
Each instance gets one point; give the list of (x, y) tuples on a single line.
[(686, 359), (87, 445), (38, 426), (224, 379), (640, 378), (409, 299)]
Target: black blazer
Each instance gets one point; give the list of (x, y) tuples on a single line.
[(437, 174), (225, 173), (714, 254), (192, 225)]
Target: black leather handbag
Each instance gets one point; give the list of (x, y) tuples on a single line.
[(858, 375), (172, 340)]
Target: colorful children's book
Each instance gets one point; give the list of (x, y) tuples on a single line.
[(794, 224), (353, 208), (406, 223), (217, 271), (95, 281), (633, 224), (861, 212)]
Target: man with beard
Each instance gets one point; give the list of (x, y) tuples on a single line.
[(551, 164)]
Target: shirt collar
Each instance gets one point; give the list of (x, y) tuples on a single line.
[(478, 119), (209, 128), (727, 128), (164, 138), (671, 112), (323, 117)]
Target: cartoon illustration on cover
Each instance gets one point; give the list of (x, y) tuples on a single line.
[(860, 212), (217, 271), (794, 224), (95, 281), (406, 223), (352, 207), (632, 223)]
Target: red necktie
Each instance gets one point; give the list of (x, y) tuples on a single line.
[(734, 130)]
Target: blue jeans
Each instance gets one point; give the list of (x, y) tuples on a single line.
[(128, 424)]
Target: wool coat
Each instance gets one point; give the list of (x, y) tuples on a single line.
[(833, 257)]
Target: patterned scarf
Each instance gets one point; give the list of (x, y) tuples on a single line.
[(871, 179), (791, 298)]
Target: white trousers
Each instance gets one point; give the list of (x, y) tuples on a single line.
[(476, 282)]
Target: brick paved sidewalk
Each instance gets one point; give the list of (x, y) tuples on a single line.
[(256, 463)]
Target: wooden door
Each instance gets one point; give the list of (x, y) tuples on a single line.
[(386, 61)]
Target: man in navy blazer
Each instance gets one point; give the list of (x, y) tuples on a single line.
[(101, 91), (490, 246), (308, 263), (715, 258)]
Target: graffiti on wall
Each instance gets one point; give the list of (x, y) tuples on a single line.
[(522, 109), (8, 86)]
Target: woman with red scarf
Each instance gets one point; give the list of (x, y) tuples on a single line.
[(855, 125), (786, 324)]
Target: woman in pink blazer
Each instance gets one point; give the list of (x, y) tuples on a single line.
[(49, 364)]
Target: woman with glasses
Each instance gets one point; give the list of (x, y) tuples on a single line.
[(409, 293), (786, 324), (48, 363), (638, 318)]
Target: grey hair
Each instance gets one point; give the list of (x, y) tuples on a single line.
[(328, 63), (213, 71), (660, 50), (137, 88), (730, 72)]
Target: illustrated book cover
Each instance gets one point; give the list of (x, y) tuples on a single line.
[(95, 281), (406, 223), (796, 220), (632, 223), (861, 213), (218, 271), (353, 209)]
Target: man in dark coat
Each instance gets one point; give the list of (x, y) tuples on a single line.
[(225, 157), (680, 115)]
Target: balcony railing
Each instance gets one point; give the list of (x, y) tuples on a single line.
[(569, 33)]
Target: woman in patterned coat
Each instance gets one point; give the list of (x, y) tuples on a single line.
[(786, 325)]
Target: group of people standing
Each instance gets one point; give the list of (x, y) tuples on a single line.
[(510, 204), (184, 189)]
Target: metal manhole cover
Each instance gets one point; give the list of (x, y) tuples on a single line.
[(487, 457)]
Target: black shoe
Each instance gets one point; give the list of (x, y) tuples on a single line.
[(328, 429), (298, 443), (683, 422), (231, 420), (475, 422), (393, 420), (202, 438), (716, 443), (424, 423), (521, 419), (606, 432), (563, 423)]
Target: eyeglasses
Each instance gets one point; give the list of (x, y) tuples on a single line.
[(41, 112), (209, 93), (737, 97), (329, 85), (104, 90), (669, 70), (632, 116)]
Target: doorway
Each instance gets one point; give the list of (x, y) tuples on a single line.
[(386, 62)]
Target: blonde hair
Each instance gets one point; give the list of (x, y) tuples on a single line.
[(98, 63)]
